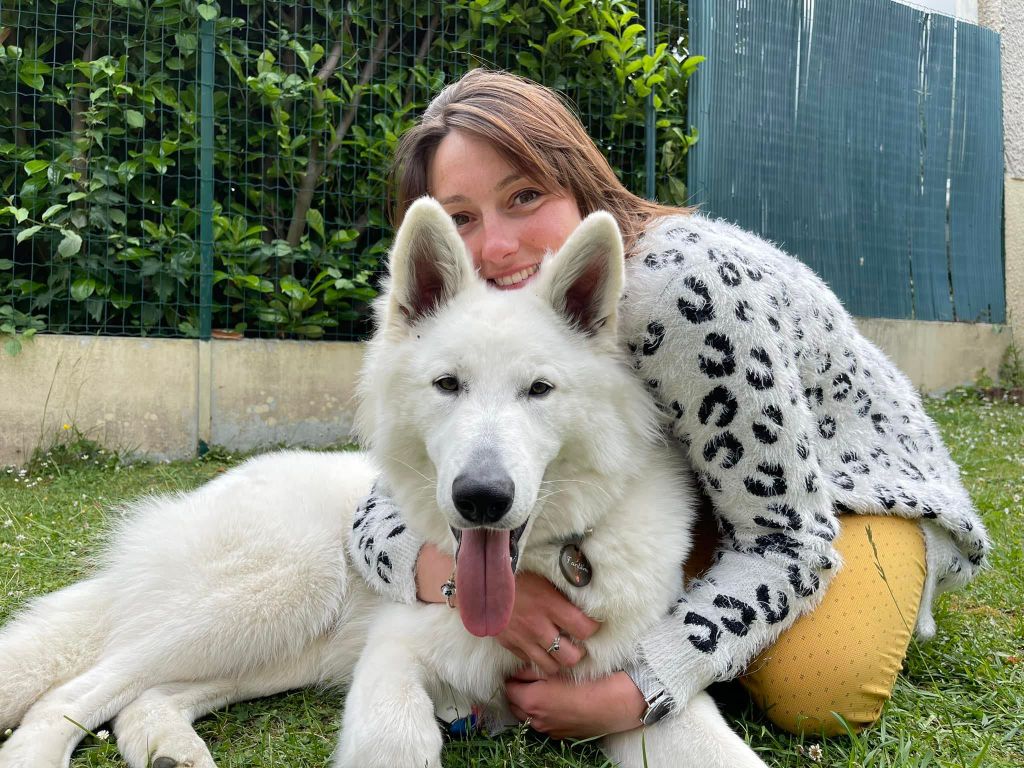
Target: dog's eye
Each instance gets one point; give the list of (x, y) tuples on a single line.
[(447, 383), (539, 388)]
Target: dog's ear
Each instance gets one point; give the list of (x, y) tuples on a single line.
[(428, 264), (584, 280)]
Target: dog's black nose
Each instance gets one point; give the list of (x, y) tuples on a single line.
[(483, 498)]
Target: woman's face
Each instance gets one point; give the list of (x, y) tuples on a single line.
[(505, 219)]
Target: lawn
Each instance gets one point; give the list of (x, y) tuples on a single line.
[(959, 702)]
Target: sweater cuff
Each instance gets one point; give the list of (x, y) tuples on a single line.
[(405, 550), (683, 670)]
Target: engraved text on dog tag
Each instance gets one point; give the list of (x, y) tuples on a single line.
[(574, 564)]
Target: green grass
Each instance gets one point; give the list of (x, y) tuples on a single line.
[(959, 701)]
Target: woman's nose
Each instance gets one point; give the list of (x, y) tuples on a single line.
[(499, 242)]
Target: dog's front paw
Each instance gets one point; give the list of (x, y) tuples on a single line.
[(405, 740), (414, 750)]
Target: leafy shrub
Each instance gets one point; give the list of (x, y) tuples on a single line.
[(1011, 368), (101, 128)]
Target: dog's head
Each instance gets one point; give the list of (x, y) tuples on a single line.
[(470, 393)]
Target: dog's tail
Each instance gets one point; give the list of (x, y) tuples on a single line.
[(53, 639)]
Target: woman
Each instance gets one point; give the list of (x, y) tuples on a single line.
[(812, 448)]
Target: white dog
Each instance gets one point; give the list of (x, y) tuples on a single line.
[(504, 424)]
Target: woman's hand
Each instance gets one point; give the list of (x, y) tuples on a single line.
[(540, 614), (562, 708)]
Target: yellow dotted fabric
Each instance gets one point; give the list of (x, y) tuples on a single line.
[(844, 655)]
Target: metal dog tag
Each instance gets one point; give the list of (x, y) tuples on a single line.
[(574, 565)]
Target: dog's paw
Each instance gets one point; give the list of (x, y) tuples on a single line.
[(27, 750), (202, 761), (398, 746), (199, 761), (165, 750)]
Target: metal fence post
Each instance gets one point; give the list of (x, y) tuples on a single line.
[(650, 139), (206, 35)]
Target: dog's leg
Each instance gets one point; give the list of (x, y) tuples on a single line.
[(696, 737), (156, 729), (389, 717), (53, 726), (54, 639)]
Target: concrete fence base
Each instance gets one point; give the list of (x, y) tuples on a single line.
[(160, 397)]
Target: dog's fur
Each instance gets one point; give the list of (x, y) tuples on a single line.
[(241, 588)]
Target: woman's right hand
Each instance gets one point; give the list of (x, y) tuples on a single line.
[(540, 614)]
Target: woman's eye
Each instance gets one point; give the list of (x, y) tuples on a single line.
[(447, 384), (459, 219), (526, 196), (540, 388)]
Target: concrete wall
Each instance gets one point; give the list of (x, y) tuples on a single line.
[(159, 398), (1007, 18), (1014, 243), (135, 395), (938, 356)]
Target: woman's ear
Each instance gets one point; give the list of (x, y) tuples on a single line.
[(428, 264), (584, 280)]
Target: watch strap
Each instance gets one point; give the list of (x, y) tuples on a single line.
[(659, 702)]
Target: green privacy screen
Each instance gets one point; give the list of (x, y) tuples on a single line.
[(863, 137)]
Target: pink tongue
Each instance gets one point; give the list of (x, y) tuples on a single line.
[(484, 582)]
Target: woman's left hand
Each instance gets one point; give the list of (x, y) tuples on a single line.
[(562, 708)]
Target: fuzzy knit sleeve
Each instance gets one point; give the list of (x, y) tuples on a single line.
[(706, 321), (382, 549)]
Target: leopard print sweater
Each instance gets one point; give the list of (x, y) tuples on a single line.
[(789, 416)]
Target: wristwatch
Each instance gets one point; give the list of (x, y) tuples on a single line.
[(658, 701)]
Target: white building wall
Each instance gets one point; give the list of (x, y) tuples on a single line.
[(1007, 18), (966, 10)]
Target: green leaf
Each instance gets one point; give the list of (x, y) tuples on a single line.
[(33, 167), (34, 67), (52, 210), (83, 288), (187, 42), (32, 81), (6, 264), (207, 12), (315, 220), (76, 196), (70, 245), (26, 233), (678, 191), (12, 347), (121, 300), (292, 287), (134, 118)]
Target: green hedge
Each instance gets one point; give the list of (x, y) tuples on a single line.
[(100, 133)]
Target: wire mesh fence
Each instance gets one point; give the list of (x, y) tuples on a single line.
[(173, 168)]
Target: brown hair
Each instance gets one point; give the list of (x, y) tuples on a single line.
[(535, 131)]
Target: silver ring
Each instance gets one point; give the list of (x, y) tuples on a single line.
[(556, 643)]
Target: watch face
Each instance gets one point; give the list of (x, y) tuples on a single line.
[(657, 710)]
